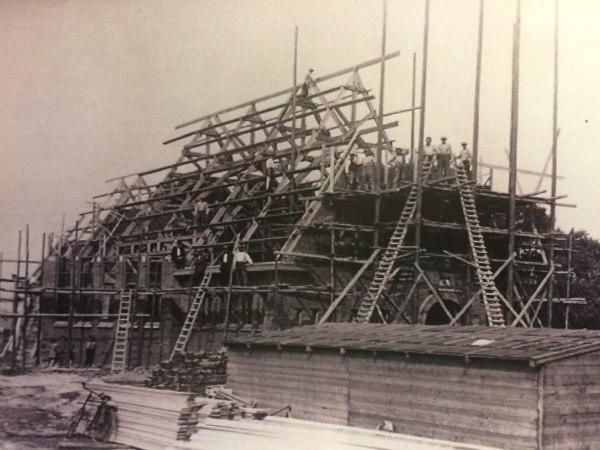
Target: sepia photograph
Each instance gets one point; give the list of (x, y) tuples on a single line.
[(279, 225)]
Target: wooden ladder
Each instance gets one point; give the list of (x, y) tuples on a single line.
[(119, 361), (386, 263), (192, 315), (481, 259)]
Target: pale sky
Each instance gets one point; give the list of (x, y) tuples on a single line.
[(91, 88)]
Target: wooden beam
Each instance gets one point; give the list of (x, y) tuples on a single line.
[(289, 90), (349, 286)]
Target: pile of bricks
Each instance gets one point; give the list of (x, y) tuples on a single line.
[(190, 372)]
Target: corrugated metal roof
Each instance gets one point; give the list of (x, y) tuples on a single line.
[(534, 345)]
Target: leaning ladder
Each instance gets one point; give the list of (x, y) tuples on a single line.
[(386, 263), (483, 268), (119, 361), (192, 315)]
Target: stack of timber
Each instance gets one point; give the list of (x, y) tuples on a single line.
[(190, 372), (148, 418), (276, 433)]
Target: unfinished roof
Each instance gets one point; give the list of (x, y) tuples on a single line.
[(533, 345)]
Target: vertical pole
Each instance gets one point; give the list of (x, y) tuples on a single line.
[(72, 294), (40, 298), (554, 164), (331, 166), (228, 302), (412, 105), (331, 264), (569, 269), (377, 211), (162, 329), (381, 97), (16, 304), (151, 337), (294, 92), (514, 125), (477, 93), (25, 310), (421, 134)]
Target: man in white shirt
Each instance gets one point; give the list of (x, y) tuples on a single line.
[(464, 158), (429, 150), (444, 154), (201, 209), (242, 259), (270, 172)]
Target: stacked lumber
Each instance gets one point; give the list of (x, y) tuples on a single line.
[(190, 372), (151, 419), (276, 433)]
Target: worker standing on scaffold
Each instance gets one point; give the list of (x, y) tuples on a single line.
[(444, 154), (369, 168), (270, 172), (464, 158), (242, 259), (351, 170), (201, 210)]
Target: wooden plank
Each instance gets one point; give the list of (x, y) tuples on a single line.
[(289, 90)]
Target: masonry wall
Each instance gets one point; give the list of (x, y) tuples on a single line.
[(487, 403)]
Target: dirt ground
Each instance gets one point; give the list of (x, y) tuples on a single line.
[(36, 408)]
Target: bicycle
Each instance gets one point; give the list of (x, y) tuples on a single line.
[(103, 422)]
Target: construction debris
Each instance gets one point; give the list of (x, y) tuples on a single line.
[(190, 372)]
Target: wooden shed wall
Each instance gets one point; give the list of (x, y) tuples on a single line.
[(571, 403), (314, 384), (492, 403), (488, 403)]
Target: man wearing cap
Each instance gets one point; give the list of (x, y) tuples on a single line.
[(444, 153), (369, 171), (351, 170), (464, 158)]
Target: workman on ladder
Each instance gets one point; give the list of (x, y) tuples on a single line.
[(444, 154), (464, 158)]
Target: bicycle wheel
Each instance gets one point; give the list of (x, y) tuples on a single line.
[(102, 426), (77, 417)]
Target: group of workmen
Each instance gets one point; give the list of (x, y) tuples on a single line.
[(234, 262), (61, 354), (397, 165)]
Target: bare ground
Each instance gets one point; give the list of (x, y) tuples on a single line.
[(36, 408)]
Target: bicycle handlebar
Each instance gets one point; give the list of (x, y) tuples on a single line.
[(101, 395)]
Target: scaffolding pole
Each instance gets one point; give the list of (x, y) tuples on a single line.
[(421, 134), (16, 304), (550, 290), (514, 126), (477, 93)]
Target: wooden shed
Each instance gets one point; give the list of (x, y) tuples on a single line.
[(513, 388)]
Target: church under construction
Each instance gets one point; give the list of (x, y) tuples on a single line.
[(268, 221)]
